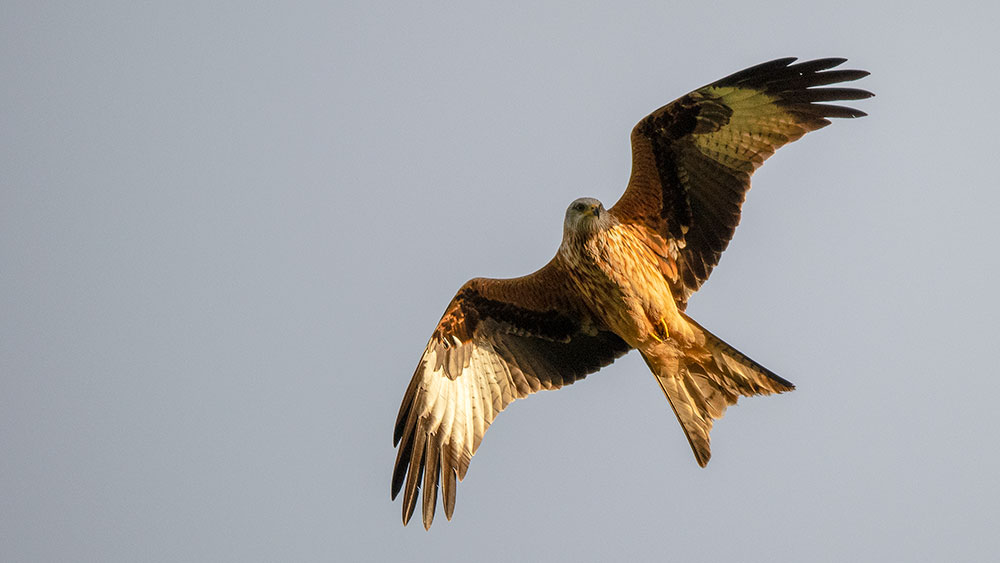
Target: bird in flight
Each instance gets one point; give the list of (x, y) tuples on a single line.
[(620, 279)]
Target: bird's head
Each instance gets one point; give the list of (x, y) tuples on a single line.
[(586, 215)]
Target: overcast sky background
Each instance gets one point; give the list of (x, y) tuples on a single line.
[(226, 233)]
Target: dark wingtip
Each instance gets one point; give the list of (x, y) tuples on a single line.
[(756, 70), (782, 75), (397, 482), (402, 464), (816, 65), (827, 110)]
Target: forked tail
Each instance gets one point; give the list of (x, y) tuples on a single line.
[(701, 384)]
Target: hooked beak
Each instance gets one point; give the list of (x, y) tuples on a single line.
[(597, 211)]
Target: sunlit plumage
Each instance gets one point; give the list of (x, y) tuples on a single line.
[(620, 280)]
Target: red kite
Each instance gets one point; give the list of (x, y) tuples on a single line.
[(620, 280)]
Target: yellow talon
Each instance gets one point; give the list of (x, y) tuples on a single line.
[(660, 330)]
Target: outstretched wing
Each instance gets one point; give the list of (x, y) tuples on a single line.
[(499, 340), (692, 159)]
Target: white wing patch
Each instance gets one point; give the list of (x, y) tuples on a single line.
[(457, 411)]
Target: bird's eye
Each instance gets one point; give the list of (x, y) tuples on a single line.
[(578, 207)]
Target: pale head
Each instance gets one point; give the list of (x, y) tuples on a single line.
[(586, 215)]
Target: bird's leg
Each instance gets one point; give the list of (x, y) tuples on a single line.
[(660, 331)]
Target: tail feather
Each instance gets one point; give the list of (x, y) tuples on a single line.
[(754, 378), (701, 383)]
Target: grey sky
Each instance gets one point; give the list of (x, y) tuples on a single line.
[(226, 234)]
